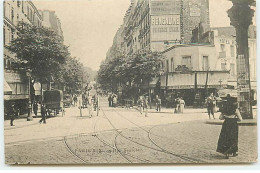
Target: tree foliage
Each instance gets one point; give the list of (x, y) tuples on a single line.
[(41, 48), (47, 57), (137, 69)]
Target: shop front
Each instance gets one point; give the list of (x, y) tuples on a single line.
[(193, 86)]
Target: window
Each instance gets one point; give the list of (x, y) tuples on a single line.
[(4, 36), (205, 63), (222, 46), (232, 51), (28, 12), (223, 66), (12, 15), (7, 11), (232, 69), (8, 36), (167, 66), (18, 3), (186, 60), (172, 65), (12, 34)]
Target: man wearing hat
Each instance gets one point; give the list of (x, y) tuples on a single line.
[(12, 114)]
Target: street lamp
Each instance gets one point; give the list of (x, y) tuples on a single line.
[(29, 117)]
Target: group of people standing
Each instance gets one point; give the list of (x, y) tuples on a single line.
[(112, 100), (179, 105)]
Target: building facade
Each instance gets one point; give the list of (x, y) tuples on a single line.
[(51, 21), (225, 43), (16, 80), (158, 24), (190, 72)]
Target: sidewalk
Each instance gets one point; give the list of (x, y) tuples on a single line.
[(19, 123)]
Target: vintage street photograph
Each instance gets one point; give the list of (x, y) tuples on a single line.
[(130, 82)]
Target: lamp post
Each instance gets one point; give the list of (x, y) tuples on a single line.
[(241, 17), (29, 117)]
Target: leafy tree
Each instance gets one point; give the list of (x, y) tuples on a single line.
[(137, 69), (41, 48), (74, 75)]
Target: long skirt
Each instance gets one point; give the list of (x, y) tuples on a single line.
[(228, 138)]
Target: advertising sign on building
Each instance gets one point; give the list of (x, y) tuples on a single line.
[(165, 27), (165, 7)]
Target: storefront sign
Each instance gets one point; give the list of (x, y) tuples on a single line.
[(165, 27), (165, 7), (15, 97), (12, 77)]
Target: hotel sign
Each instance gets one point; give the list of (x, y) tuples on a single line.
[(165, 27), (165, 7)]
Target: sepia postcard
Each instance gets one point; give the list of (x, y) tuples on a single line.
[(129, 82)]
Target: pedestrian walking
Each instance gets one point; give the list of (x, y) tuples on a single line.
[(114, 101), (181, 105), (140, 103), (228, 138), (43, 114), (177, 105), (75, 99), (35, 108), (110, 100), (146, 104), (90, 106), (158, 103), (12, 114), (210, 105)]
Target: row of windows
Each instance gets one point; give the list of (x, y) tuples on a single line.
[(185, 61), (232, 49), (9, 13)]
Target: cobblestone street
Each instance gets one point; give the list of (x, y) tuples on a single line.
[(121, 135)]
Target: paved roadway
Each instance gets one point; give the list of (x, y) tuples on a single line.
[(123, 136)]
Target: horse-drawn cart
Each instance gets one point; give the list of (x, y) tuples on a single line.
[(53, 101)]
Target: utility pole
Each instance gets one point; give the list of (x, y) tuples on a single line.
[(241, 17)]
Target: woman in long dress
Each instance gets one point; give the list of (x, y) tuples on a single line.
[(181, 105), (228, 138)]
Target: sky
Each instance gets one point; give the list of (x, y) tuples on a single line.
[(89, 26)]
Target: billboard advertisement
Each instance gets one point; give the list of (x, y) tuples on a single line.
[(165, 7), (165, 28)]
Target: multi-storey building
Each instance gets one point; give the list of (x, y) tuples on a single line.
[(158, 24), (190, 72), (16, 81), (51, 21), (225, 43)]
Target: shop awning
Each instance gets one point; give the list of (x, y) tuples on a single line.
[(7, 88), (187, 80)]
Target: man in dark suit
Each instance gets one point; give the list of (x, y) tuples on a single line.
[(43, 113)]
